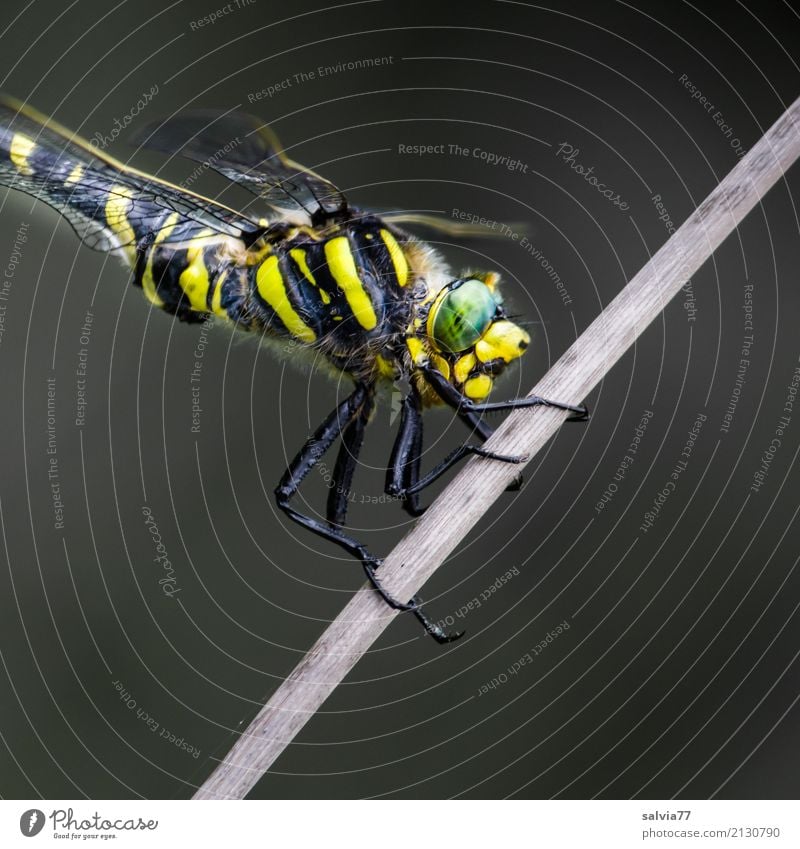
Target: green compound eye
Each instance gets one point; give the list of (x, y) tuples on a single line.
[(461, 316)]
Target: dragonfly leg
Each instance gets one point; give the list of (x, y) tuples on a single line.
[(346, 463), (454, 457), (314, 449), (406, 455), (483, 430), (403, 476), (451, 396)]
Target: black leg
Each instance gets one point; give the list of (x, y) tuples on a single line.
[(460, 403), (469, 412), (483, 430), (346, 462), (318, 444), (406, 455), (403, 475), (473, 420), (452, 458)]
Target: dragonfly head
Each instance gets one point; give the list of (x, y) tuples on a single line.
[(471, 338)]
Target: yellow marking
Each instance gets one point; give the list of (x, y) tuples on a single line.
[(311, 232), (116, 212), (397, 256), (385, 368), (464, 366), (95, 153), (257, 252), (194, 279), (338, 318), (272, 289), (299, 256), (491, 279), (343, 268), (416, 349), (441, 364), (21, 148), (504, 340), (74, 176), (216, 297), (368, 236), (478, 387), (148, 284)]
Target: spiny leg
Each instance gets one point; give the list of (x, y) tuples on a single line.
[(483, 431), (478, 425), (319, 443), (470, 412), (404, 461), (314, 449), (403, 476), (454, 457), (403, 473), (346, 463), (459, 402)]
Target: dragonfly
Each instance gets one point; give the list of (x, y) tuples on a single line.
[(349, 285)]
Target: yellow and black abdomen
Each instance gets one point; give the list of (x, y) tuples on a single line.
[(341, 290), (189, 271), (177, 243), (337, 292)]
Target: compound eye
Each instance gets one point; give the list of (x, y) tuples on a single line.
[(459, 319)]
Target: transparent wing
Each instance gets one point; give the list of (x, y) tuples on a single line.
[(107, 203), (240, 147), (456, 227)]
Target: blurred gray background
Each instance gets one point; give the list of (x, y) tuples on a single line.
[(678, 672)]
